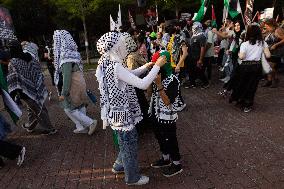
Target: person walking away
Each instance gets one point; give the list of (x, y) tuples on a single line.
[(26, 80), (73, 97), (250, 70)]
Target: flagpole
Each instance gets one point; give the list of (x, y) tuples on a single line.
[(255, 16)]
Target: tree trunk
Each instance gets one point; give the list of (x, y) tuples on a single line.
[(86, 39)]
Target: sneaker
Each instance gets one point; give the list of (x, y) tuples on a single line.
[(21, 156), (80, 131), (247, 110), (161, 163), (30, 127), (172, 170), (49, 132), (117, 171), (92, 127), (143, 180)]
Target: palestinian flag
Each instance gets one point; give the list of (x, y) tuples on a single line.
[(213, 18), (248, 12), (202, 10), (234, 8), (9, 103)]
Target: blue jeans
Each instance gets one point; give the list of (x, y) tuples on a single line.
[(127, 157)]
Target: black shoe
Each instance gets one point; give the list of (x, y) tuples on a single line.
[(267, 84), (172, 170), (49, 132), (205, 86), (161, 163)]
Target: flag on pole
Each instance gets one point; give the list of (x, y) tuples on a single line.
[(112, 24), (9, 103), (130, 18), (234, 8), (119, 22), (226, 9), (157, 16), (213, 18), (248, 12), (202, 10)]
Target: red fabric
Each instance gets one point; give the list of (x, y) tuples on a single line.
[(155, 56)]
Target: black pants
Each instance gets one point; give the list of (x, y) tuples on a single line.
[(144, 106), (220, 57), (207, 66), (245, 85), (196, 72), (9, 150), (167, 139), (51, 71)]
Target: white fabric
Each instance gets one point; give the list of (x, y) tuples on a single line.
[(79, 117), (252, 52), (125, 75), (226, 42), (210, 39)]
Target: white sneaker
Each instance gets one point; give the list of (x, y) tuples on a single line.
[(78, 131), (143, 180), (92, 128), (21, 156)]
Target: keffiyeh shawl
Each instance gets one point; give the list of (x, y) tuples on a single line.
[(65, 51), (197, 29), (27, 77), (119, 104), (32, 49)]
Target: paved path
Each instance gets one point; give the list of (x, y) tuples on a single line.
[(221, 148)]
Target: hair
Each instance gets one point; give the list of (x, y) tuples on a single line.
[(16, 51), (271, 22), (254, 34)]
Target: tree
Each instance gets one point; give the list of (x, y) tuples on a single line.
[(80, 9)]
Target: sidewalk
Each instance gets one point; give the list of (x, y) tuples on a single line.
[(221, 148)]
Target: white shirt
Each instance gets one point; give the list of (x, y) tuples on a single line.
[(210, 39), (252, 52)]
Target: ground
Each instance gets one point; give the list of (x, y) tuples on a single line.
[(221, 147)]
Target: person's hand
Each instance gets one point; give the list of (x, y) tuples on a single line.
[(199, 63), (161, 61), (158, 81), (61, 98), (273, 47), (150, 64), (214, 30), (177, 69)]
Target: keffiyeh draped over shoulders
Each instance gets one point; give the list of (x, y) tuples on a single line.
[(65, 51), (119, 105)]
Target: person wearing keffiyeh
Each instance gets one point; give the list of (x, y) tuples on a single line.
[(119, 104), (26, 80), (73, 97)]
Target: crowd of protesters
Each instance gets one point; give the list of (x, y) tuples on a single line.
[(141, 75)]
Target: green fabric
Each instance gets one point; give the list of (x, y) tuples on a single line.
[(67, 70), (202, 10), (115, 139), (4, 86), (153, 34), (167, 68)]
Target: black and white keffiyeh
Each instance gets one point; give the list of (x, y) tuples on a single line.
[(65, 51), (27, 77), (31, 48), (119, 104)]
